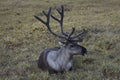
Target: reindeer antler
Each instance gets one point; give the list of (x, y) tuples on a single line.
[(48, 14), (61, 12), (64, 35)]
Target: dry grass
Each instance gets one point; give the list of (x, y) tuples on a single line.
[(22, 38)]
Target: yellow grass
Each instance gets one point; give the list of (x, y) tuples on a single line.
[(23, 38)]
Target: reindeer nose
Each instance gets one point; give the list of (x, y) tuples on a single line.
[(84, 50)]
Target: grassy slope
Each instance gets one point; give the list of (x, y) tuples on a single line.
[(22, 38)]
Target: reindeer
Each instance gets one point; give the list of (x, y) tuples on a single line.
[(60, 59)]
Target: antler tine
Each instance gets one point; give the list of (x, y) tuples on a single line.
[(70, 34), (40, 20), (78, 34), (61, 12), (48, 14)]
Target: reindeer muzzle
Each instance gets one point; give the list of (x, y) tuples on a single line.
[(84, 51)]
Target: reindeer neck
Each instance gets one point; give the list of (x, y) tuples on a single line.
[(60, 59), (63, 55)]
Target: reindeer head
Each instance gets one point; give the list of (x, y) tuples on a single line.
[(71, 40)]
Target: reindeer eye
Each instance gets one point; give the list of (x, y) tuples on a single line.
[(71, 45)]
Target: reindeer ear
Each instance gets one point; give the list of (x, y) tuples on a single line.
[(61, 43)]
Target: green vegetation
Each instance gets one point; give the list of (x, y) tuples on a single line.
[(22, 38)]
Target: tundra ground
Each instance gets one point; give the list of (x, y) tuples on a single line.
[(22, 38)]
